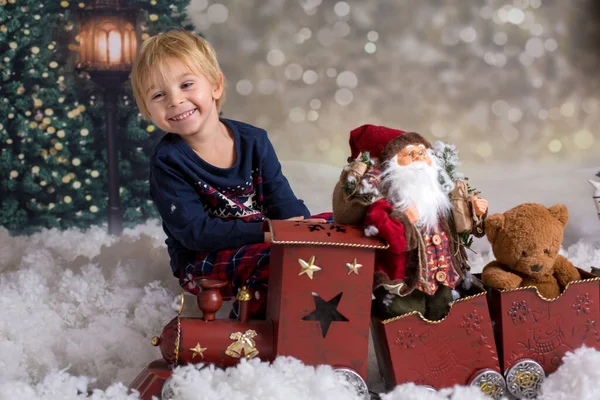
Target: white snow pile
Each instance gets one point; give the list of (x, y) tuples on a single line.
[(78, 309)]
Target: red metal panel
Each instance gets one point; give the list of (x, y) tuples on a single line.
[(544, 330), (437, 353), (296, 232), (345, 342)]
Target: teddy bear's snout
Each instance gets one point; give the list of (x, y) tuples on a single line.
[(536, 268)]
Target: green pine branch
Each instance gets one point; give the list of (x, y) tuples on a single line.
[(447, 155), (53, 170)]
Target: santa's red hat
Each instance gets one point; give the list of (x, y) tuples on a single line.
[(371, 138)]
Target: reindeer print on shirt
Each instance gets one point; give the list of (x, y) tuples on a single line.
[(232, 202)]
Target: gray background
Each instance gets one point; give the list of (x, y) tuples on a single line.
[(504, 81)]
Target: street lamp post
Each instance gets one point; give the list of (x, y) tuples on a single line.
[(107, 46)]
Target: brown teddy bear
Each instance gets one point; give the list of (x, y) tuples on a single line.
[(525, 241)]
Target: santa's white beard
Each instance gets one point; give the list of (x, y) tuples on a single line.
[(416, 183)]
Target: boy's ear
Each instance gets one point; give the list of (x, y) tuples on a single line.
[(218, 87)]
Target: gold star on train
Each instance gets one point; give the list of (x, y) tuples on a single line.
[(308, 268), (198, 351), (353, 267)]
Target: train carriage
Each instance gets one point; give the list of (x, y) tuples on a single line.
[(534, 333), (458, 349)]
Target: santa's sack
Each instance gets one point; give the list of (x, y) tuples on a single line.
[(462, 207)]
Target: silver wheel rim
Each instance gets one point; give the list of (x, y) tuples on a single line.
[(490, 382), (357, 382), (524, 379), (167, 392)]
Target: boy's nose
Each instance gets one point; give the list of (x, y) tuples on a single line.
[(175, 101)]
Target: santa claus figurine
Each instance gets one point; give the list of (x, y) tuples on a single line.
[(425, 260)]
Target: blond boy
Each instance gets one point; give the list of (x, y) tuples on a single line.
[(213, 180)]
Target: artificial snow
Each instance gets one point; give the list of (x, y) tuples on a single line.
[(78, 309)]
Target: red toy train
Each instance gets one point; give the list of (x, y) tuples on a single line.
[(319, 312)]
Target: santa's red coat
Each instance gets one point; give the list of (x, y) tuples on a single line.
[(392, 261)]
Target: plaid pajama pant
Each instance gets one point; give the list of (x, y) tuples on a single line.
[(246, 266)]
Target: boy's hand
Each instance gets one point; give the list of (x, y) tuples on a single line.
[(316, 220), (311, 220)]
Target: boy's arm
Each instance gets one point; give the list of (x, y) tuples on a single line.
[(184, 216), (279, 200)]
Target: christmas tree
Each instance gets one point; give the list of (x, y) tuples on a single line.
[(52, 136), (50, 171)]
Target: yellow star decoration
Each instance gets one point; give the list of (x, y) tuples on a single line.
[(198, 351), (353, 267), (308, 268)]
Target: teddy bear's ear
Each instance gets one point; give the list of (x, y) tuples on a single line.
[(493, 224), (560, 212)]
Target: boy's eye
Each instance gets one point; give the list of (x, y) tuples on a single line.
[(186, 85), (156, 96)]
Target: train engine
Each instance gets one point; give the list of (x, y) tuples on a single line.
[(318, 310)]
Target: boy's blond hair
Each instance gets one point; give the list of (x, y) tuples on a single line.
[(189, 48)]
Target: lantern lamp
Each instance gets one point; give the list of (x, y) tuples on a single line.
[(107, 47)]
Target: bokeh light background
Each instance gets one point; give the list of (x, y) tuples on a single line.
[(505, 81)]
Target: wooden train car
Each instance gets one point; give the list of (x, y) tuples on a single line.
[(522, 335), (534, 333), (459, 349)]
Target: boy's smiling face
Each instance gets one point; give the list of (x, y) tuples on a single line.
[(181, 101)]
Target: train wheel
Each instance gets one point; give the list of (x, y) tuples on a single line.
[(490, 382), (167, 392), (355, 380), (524, 379)]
